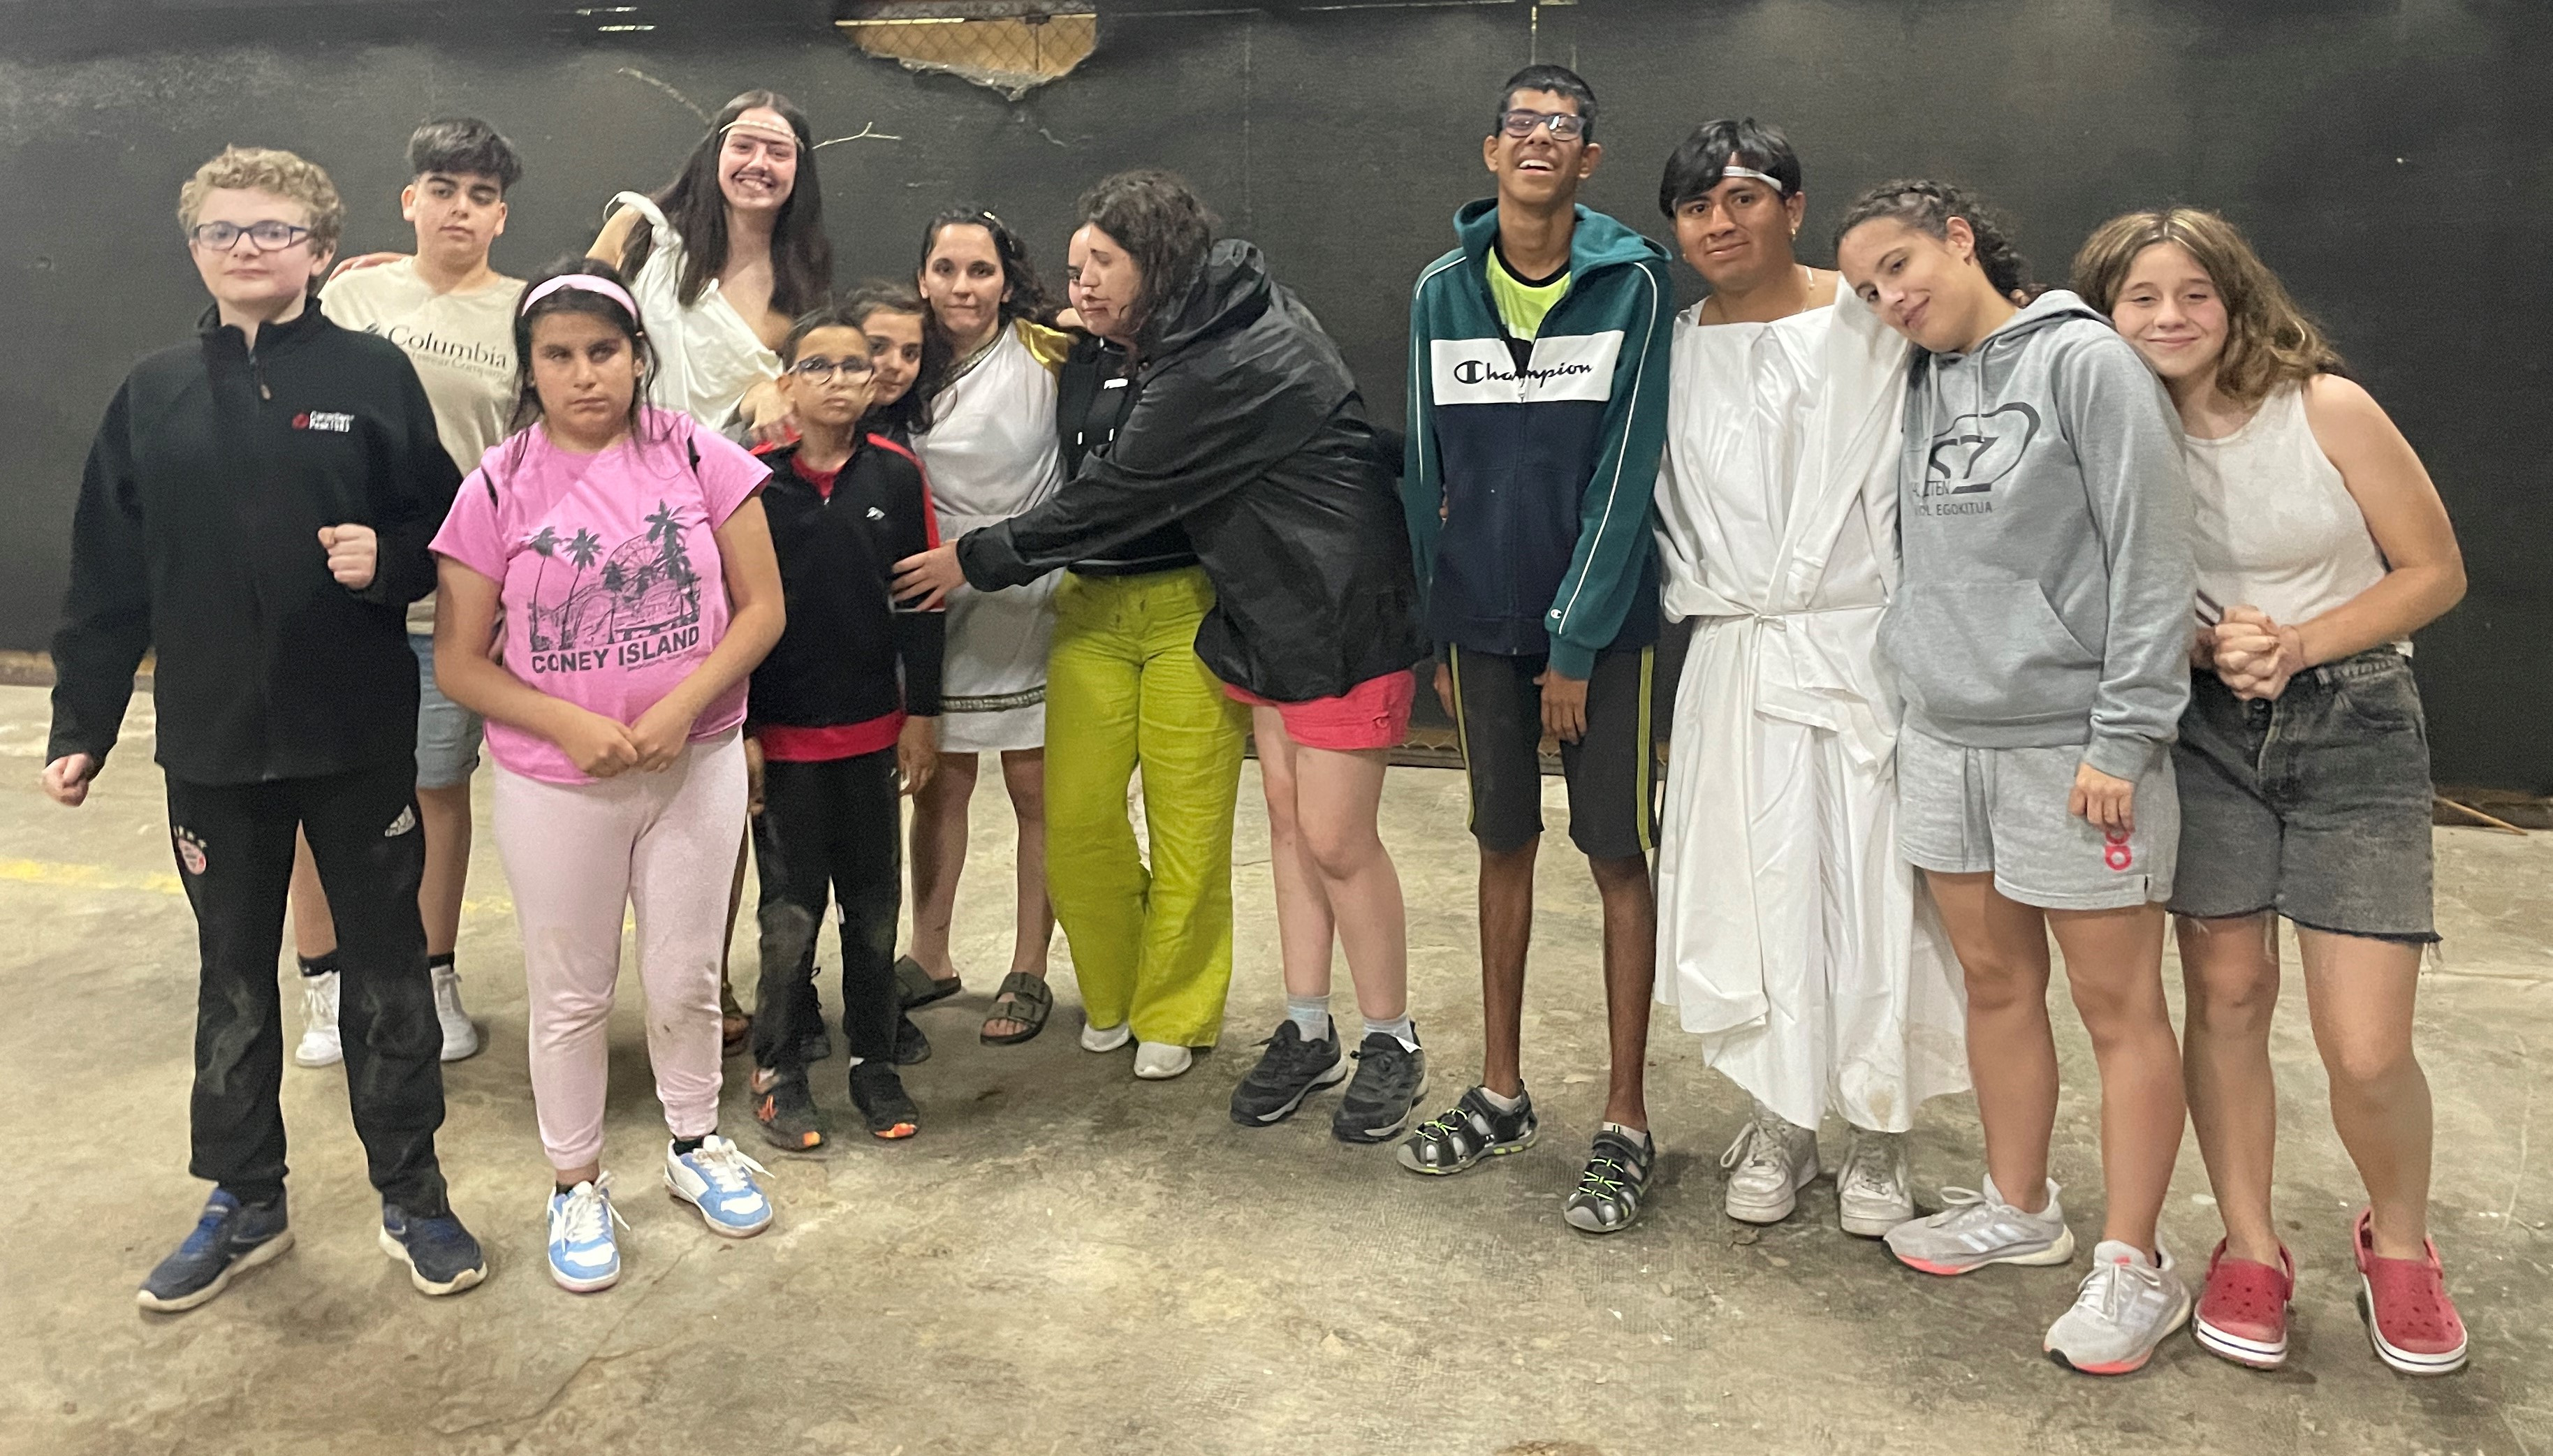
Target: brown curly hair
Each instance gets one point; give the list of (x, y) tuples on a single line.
[(2269, 340), (266, 170)]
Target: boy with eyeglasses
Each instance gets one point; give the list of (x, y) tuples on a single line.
[(846, 704), (1538, 411), (257, 508), (453, 316)]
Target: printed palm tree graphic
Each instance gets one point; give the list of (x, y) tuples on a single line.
[(544, 544), (581, 550), (667, 533)]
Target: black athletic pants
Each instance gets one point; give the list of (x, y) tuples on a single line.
[(233, 845), (827, 831)]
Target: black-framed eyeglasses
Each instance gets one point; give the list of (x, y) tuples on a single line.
[(268, 236), (1566, 126), (823, 371)]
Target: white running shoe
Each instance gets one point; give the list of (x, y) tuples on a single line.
[(460, 1035), (2126, 1306), (584, 1256), (1976, 1229), (1871, 1195), (1159, 1061), (1105, 1037), (1771, 1160), (319, 1045), (717, 1179)]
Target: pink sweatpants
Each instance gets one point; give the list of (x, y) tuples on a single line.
[(576, 855)]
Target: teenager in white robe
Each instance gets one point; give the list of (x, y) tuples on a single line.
[(1791, 937)]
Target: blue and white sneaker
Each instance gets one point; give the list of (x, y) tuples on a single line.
[(229, 1240), (441, 1256), (718, 1179), (583, 1255)]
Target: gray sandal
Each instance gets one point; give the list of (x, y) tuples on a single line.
[(1029, 998)]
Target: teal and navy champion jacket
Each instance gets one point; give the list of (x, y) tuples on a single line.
[(1541, 455)]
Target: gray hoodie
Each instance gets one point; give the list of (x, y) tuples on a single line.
[(2048, 596)]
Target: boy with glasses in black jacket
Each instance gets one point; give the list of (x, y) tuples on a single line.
[(257, 507)]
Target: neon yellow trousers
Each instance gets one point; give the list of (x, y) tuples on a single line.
[(1152, 945)]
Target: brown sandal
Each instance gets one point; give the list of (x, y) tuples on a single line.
[(1029, 998)]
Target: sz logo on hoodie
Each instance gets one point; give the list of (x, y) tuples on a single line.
[(1973, 454)]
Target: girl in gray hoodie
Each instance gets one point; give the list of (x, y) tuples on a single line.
[(2039, 635)]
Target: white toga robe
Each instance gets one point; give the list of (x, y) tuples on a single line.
[(1791, 935)]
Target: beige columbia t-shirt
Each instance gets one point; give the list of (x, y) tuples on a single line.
[(463, 347)]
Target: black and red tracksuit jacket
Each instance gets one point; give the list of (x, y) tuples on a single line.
[(851, 664)]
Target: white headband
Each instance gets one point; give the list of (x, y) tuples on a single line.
[(1733, 170)]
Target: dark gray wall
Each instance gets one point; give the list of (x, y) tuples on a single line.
[(2394, 159)]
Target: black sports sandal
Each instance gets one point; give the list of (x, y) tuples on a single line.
[(919, 987), (1607, 1195), (1023, 998), (1472, 1129)]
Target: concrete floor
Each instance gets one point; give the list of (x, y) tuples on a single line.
[(1069, 1261)]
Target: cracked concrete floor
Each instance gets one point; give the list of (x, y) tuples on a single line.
[(1067, 1261)]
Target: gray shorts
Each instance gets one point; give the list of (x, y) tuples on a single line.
[(1968, 811), (447, 734), (2315, 806)]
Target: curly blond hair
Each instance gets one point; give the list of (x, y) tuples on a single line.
[(268, 169), (2269, 341)]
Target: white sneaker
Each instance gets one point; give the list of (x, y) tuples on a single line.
[(584, 1256), (717, 1177), (1771, 1160), (1871, 1196), (1159, 1061), (460, 1035), (2127, 1305), (319, 1045), (1105, 1037), (1978, 1228)]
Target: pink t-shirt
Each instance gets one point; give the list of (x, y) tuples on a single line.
[(609, 574)]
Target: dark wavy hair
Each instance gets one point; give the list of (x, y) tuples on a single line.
[(1928, 206), (910, 410), (1703, 160), (528, 398), (464, 146), (1024, 294), (802, 257), (1164, 227)]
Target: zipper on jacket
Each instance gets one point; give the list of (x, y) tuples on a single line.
[(257, 371)]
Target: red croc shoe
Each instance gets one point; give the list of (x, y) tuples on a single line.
[(2243, 1313), (2409, 1318)]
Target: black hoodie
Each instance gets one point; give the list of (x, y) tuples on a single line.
[(1247, 428), (197, 532)]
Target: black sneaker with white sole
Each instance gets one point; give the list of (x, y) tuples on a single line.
[(1609, 1191), (1379, 1103), (1290, 1071), (1472, 1129)]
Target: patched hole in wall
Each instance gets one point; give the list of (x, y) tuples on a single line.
[(1011, 46)]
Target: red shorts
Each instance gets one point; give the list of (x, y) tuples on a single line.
[(1375, 714)]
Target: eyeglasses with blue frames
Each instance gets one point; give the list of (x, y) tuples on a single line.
[(1566, 126), (269, 236), (822, 371)]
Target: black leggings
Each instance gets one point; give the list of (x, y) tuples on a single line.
[(233, 845), (832, 826)]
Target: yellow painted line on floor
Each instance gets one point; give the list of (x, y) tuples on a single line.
[(57, 875)]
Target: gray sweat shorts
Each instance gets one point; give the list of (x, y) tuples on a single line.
[(1968, 811)]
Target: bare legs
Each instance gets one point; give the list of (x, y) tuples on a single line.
[(1630, 972), (2361, 995), (940, 856), (1334, 878), (2113, 967)]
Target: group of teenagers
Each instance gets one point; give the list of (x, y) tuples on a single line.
[(2016, 612)]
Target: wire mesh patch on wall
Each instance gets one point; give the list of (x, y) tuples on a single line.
[(1010, 45)]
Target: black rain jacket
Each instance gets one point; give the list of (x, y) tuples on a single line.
[(1246, 428)]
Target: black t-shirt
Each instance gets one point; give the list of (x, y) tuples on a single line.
[(1096, 392)]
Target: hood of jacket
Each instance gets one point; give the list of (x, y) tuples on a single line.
[(1597, 241), (1230, 291)]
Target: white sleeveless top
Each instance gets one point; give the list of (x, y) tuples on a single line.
[(707, 355), (2273, 526)]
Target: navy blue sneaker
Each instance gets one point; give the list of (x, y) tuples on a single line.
[(440, 1254), (230, 1239)]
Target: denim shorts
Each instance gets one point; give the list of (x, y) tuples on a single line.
[(447, 734), (2315, 806), (1968, 811)]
